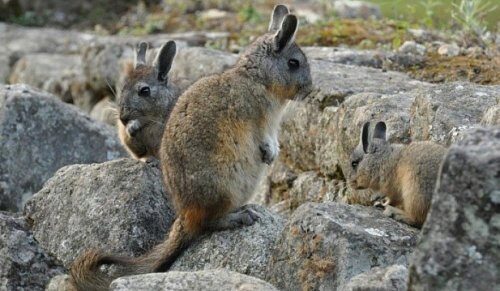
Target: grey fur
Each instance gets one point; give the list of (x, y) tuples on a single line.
[(142, 118)]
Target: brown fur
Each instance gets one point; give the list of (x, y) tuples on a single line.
[(406, 174), (212, 147)]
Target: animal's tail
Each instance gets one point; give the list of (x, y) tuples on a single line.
[(86, 274)]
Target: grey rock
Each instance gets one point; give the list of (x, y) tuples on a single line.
[(460, 244), (298, 136), (105, 111), (18, 41), (118, 207), (335, 82), (209, 280), (193, 63), (245, 250), (392, 278), (61, 75), (24, 265), (325, 245), (356, 9), (40, 134), (442, 113), (366, 58)]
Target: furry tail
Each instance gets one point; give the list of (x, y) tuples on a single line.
[(86, 274)]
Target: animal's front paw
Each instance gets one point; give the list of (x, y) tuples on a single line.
[(382, 203), (133, 127)]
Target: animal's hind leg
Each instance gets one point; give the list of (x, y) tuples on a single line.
[(243, 216)]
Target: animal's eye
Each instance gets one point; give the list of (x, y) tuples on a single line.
[(293, 63), (144, 91), (354, 164)]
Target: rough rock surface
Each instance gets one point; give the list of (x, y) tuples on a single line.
[(441, 113), (337, 81), (392, 278), (24, 265), (40, 134), (193, 63), (460, 245), (61, 75), (245, 250), (324, 245), (118, 206), (209, 280)]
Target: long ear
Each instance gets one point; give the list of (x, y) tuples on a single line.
[(164, 59), (364, 136), (140, 54), (279, 12), (286, 34), (380, 130)]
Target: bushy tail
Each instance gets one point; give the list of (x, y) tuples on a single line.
[(87, 276)]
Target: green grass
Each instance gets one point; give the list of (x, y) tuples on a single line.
[(431, 13)]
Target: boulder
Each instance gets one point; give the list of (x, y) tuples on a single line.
[(24, 265), (392, 278), (442, 113), (118, 206), (193, 63), (40, 134), (460, 244), (325, 245), (335, 82), (245, 250), (209, 280), (61, 75)]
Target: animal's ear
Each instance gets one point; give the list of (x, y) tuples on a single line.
[(286, 35), (140, 54), (364, 136), (279, 12), (380, 130), (164, 59)]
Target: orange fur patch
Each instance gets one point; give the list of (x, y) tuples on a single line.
[(232, 140), (283, 93)]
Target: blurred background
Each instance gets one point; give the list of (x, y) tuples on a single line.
[(454, 39)]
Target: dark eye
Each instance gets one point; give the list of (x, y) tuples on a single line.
[(144, 91), (293, 64), (354, 164)]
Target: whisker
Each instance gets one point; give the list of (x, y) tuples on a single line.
[(111, 88)]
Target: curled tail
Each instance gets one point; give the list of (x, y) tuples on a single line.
[(87, 276)]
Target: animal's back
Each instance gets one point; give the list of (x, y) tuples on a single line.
[(423, 159), (208, 145)]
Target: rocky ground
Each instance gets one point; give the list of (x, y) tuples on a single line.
[(67, 184)]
